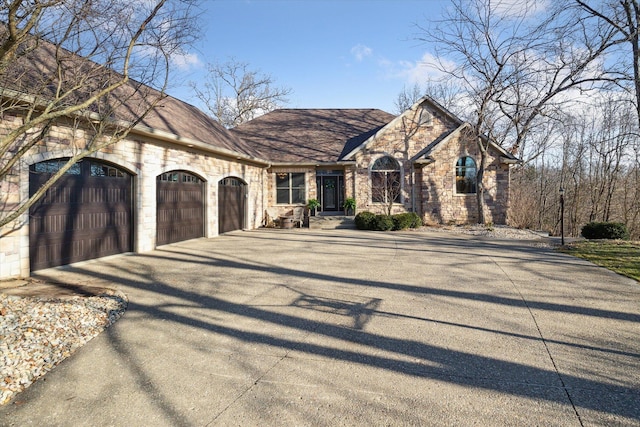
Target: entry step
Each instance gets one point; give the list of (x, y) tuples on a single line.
[(331, 222)]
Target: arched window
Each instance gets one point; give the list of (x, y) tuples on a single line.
[(385, 180), (466, 175)]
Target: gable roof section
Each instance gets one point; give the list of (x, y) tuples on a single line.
[(424, 101), (310, 135), (427, 101), (35, 75)]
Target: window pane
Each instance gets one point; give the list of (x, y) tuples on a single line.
[(387, 163), (393, 186), (282, 180), (282, 195), (466, 175), (297, 179), (53, 166), (297, 195), (377, 187)]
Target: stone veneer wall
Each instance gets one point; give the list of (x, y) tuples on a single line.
[(439, 203), (285, 209), (403, 140), (429, 190), (145, 159)]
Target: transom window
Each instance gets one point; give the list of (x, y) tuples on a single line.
[(100, 169), (53, 166), (290, 188), (466, 175), (87, 168), (385, 180), (179, 176)]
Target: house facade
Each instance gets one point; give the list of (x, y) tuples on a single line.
[(424, 160), (179, 175)]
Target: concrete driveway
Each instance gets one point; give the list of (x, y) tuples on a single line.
[(344, 327)]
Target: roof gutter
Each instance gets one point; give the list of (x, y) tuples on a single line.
[(509, 161), (192, 143), (144, 130), (313, 164)]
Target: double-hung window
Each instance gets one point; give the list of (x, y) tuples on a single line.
[(290, 188)]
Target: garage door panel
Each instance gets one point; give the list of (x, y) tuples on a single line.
[(231, 205), (180, 207), (80, 217)]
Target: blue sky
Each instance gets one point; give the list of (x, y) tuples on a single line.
[(331, 53)]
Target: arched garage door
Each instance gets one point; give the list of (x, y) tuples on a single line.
[(231, 204), (180, 204), (86, 214)]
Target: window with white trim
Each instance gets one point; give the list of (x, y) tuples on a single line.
[(385, 180)]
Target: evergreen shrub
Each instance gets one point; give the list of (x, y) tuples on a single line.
[(605, 230)]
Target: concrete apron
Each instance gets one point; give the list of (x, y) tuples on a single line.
[(306, 327)]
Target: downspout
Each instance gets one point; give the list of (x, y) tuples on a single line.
[(354, 174), (413, 188), (265, 195)]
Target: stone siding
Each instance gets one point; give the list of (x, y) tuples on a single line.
[(429, 189), (276, 209)]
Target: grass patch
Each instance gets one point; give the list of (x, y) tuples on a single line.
[(619, 256)]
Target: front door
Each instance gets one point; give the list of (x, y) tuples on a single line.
[(330, 189), (330, 192)]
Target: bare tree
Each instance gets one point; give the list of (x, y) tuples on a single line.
[(386, 188), (515, 65), (595, 161), (233, 93), (89, 64), (621, 16), (407, 97)]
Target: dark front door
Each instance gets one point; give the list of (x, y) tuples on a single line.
[(231, 205), (180, 207), (331, 190), (86, 214), (330, 193)]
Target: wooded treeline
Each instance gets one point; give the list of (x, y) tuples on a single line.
[(556, 84), (595, 158)]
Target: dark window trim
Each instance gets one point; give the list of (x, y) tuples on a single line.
[(290, 187), (466, 182)]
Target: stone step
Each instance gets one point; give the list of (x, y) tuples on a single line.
[(331, 222)]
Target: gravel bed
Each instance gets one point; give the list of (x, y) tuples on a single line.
[(495, 231), (36, 334)]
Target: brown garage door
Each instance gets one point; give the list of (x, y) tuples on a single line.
[(231, 204), (180, 201), (86, 214)]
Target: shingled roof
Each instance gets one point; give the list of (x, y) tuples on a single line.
[(36, 74), (310, 135)]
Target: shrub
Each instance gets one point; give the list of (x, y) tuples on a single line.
[(605, 230), (364, 220), (406, 220), (383, 223)]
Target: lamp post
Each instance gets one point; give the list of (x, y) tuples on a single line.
[(561, 215)]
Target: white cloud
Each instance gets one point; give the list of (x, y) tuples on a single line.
[(185, 61), (427, 68), (360, 52)]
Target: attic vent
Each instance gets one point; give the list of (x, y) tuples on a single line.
[(426, 118)]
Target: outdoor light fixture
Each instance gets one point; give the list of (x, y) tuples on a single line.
[(561, 191)]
